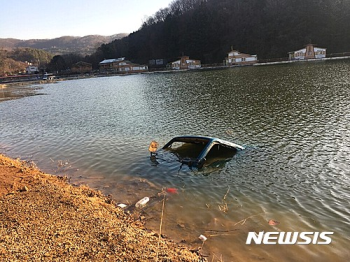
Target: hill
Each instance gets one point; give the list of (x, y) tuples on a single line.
[(207, 29), (16, 60), (62, 45)]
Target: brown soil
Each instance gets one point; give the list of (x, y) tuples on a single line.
[(43, 218)]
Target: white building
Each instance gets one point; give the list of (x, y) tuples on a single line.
[(120, 65), (236, 58), (186, 63), (309, 52), (32, 69)]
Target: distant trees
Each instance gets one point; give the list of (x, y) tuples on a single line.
[(16, 61), (61, 63), (2, 61), (31, 55), (206, 29), (176, 8), (57, 64)]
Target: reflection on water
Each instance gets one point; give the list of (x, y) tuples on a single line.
[(292, 119)]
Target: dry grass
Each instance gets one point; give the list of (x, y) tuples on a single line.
[(223, 207)]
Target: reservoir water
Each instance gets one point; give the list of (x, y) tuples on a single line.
[(294, 121)]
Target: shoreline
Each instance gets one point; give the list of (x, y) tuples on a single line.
[(59, 78), (46, 218)]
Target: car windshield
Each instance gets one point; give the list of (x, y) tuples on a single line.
[(219, 153), (186, 150), (199, 151)]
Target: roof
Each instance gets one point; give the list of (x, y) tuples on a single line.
[(109, 61), (304, 49), (205, 139), (239, 54)]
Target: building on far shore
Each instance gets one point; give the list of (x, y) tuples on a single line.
[(235, 57), (185, 63), (81, 67), (120, 65), (30, 69), (309, 52)]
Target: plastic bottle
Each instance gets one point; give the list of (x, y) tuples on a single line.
[(122, 205), (202, 237), (141, 203)]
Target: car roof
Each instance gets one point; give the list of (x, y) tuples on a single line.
[(194, 139)]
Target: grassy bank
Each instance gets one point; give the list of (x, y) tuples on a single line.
[(44, 218)]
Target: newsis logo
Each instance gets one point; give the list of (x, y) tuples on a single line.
[(289, 238)]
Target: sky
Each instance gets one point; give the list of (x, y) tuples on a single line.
[(43, 19)]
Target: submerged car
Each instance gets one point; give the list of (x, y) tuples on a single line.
[(198, 151)]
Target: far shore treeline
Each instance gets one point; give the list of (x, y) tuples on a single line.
[(208, 29)]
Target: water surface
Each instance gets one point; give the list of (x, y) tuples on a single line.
[(294, 121)]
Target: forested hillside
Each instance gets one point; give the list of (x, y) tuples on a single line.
[(14, 53), (16, 61), (62, 45), (207, 29)]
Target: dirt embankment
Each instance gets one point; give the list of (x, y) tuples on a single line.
[(43, 218)]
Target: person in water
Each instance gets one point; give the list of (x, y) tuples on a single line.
[(153, 148)]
